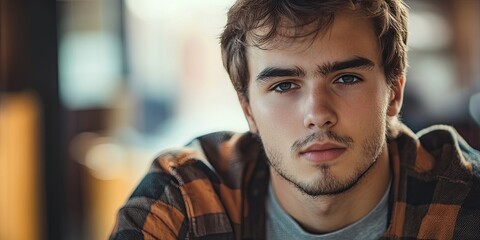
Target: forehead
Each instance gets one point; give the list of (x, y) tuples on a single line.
[(273, 33), (349, 34)]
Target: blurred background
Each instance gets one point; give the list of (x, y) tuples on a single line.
[(92, 90)]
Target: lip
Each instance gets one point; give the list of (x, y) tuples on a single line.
[(322, 152)]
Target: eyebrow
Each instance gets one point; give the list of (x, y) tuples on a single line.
[(325, 69), (272, 72), (357, 62)]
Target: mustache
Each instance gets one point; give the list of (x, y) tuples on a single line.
[(321, 136)]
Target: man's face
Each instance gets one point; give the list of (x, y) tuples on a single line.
[(320, 108)]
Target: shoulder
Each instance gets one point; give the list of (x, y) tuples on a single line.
[(437, 151), (155, 208), (441, 136), (180, 184), (450, 149), (462, 164), (437, 159), (439, 176)]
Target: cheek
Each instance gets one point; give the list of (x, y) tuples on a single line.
[(275, 121), (271, 112), (382, 99), (369, 109)]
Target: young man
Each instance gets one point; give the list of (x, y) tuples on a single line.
[(321, 85)]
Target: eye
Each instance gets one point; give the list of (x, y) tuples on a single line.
[(348, 79), (284, 87)]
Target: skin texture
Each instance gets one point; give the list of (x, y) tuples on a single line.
[(320, 109)]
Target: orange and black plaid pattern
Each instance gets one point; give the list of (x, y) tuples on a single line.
[(215, 188)]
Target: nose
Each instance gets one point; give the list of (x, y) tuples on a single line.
[(319, 113)]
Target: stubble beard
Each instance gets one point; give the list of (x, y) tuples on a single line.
[(326, 183)]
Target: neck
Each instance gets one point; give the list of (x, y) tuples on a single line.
[(323, 214)]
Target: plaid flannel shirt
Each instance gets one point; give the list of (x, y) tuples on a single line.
[(215, 188)]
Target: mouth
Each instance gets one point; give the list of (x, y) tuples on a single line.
[(322, 153)]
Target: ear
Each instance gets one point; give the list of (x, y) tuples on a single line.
[(396, 96), (248, 113)]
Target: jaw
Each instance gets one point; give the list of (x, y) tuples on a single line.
[(334, 211)]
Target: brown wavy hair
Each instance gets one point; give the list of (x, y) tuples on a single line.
[(245, 16)]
